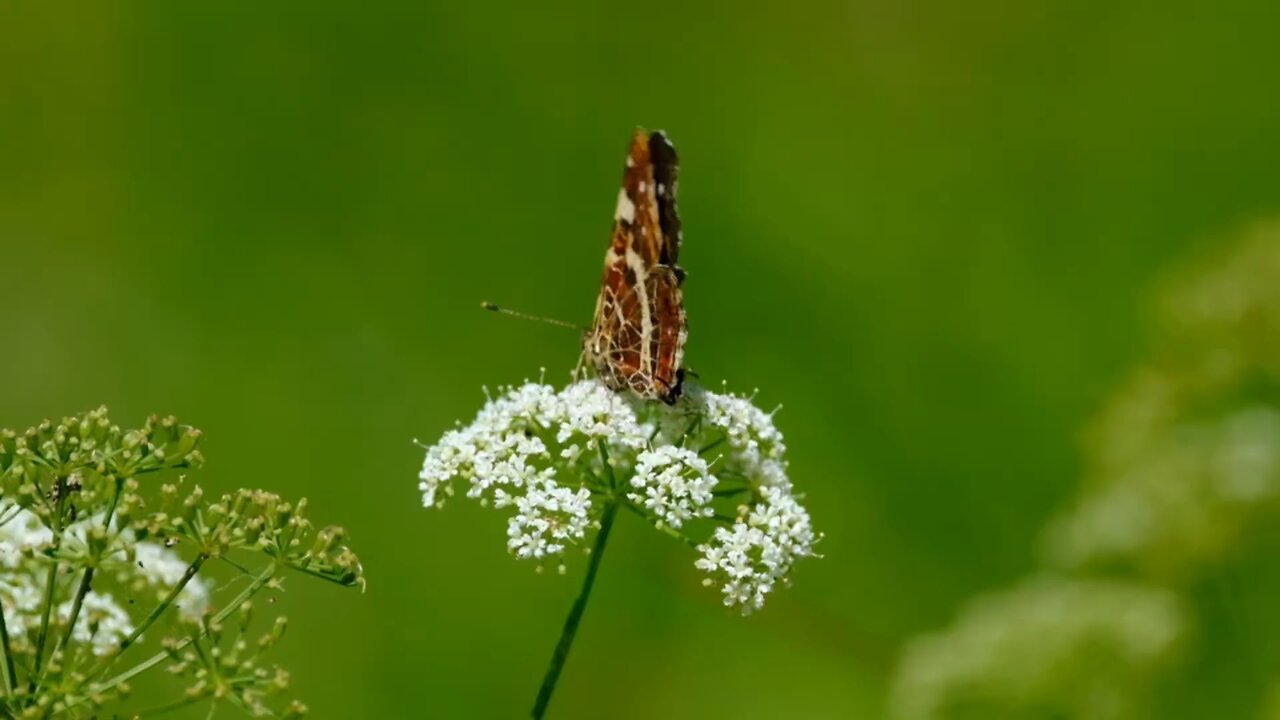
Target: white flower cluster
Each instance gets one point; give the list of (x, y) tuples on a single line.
[(1183, 501), (547, 516), (674, 484), (1068, 648), (1186, 458), (759, 550), (506, 456), (103, 622), (1184, 464), (757, 447), (557, 457)]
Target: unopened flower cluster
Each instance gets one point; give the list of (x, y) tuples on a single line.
[(102, 547), (103, 621), (711, 470)]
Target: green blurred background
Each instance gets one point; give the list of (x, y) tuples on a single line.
[(930, 231)]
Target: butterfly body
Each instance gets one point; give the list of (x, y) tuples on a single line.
[(636, 341)]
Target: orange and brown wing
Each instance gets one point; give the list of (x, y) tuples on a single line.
[(637, 339)]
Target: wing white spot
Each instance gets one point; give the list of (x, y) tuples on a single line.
[(626, 209), (662, 189)]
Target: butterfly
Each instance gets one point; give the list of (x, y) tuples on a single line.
[(636, 342)]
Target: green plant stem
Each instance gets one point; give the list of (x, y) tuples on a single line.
[(561, 653), (175, 705), (155, 614), (85, 583), (664, 529), (115, 500), (46, 612), (60, 488), (10, 674), (260, 580)]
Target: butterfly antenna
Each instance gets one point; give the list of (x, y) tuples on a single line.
[(492, 307)]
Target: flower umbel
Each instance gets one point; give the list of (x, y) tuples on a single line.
[(105, 546), (559, 457)]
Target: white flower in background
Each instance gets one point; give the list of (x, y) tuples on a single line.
[(557, 458), (21, 531), (1184, 471), (1184, 501), (1063, 647), (20, 595), (163, 568), (102, 620), (1186, 458)]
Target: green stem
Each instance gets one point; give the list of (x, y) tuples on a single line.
[(260, 580), (10, 675), (5, 519), (561, 653), (43, 637), (155, 614), (81, 592), (664, 529), (60, 488), (176, 705), (115, 500), (86, 583)]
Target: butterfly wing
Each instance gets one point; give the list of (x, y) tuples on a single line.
[(637, 339)]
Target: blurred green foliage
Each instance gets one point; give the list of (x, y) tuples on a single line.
[(1155, 575), (929, 230)]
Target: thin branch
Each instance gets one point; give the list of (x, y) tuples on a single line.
[(155, 614), (10, 674), (561, 653), (258, 582), (51, 585)]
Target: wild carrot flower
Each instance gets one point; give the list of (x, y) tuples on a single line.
[(558, 458)]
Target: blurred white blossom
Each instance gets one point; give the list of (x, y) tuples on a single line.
[(1183, 466), (102, 621), (1048, 647), (163, 568), (557, 457), (1182, 503), (20, 531), (1186, 457)]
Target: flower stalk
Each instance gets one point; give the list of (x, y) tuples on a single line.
[(155, 613), (561, 463), (571, 622), (10, 675), (79, 534)]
